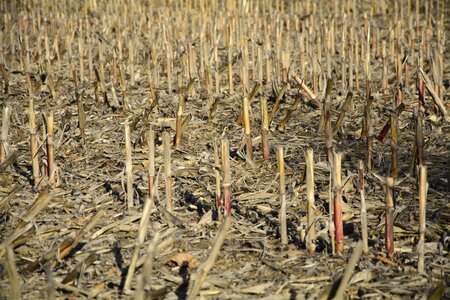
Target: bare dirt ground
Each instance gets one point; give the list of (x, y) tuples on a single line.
[(148, 42)]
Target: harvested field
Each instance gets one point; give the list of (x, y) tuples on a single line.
[(225, 149)]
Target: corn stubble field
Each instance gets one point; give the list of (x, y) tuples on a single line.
[(224, 149)]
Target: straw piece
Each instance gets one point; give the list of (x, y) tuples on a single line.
[(204, 268), (423, 187), (282, 216), (311, 235), (129, 167)]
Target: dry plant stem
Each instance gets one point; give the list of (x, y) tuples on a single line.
[(122, 81), (81, 117), (419, 139), (18, 232), (328, 134), (38, 205), (151, 161), (435, 96), (367, 116), (276, 105), (142, 233), (79, 269), (364, 233), (5, 129), (282, 218), (368, 124), (92, 222), (325, 104), (204, 268), (129, 166), (226, 175), (294, 107), (251, 98), (34, 145), (344, 109), (422, 217), (217, 174), (421, 90), (247, 130), (394, 143), (179, 124), (50, 150), (349, 271), (389, 221), (50, 81), (338, 224), (264, 129), (331, 214), (13, 275), (230, 63), (167, 171), (308, 92), (5, 78), (311, 236), (28, 79), (385, 72), (148, 268), (387, 126)]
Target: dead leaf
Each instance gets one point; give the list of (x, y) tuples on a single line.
[(364, 275), (183, 259)]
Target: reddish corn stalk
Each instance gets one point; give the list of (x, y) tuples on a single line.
[(264, 129), (422, 217), (311, 236), (217, 174), (151, 161), (283, 222), (338, 224), (167, 171), (389, 222), (387, 126), (226, 175)]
